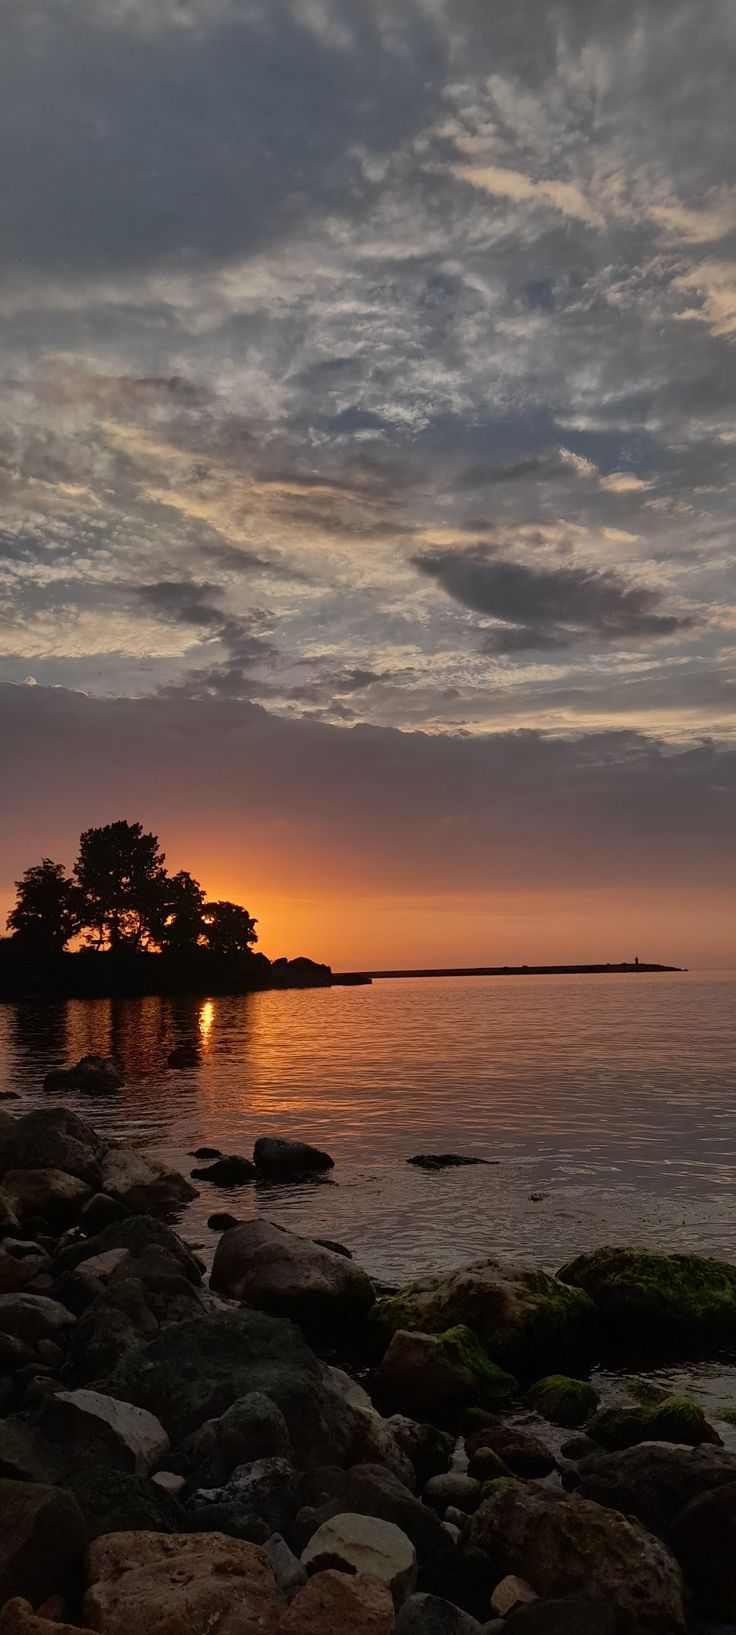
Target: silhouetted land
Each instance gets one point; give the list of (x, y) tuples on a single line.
[(511, 970), (91, 975)]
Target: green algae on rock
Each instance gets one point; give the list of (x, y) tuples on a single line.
[(564, 1401), (675, 1419), (656, 1301), (437, 1376), (526, 1319)]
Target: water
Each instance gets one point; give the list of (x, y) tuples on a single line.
[(614, 1097)]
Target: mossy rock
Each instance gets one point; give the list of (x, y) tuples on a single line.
[(564, 1401), (662, 1304), (675, 1419), (438, 1376), (525, 1319)]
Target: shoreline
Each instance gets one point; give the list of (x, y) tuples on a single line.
[(621, 969)]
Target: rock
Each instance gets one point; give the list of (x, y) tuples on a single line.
[(290, 1276), (452, 1529), (570, 1546), (675, 1419), (184, 1056), (101, 1267), (524, 1318), (658, 1302), (18, 1618), (195, 1370), (26, 1455), (100, 1211), (170, 1483), (136, 1233), (442, 1160), (45, 1194), (465, 1575), (510, 1594), (52, 1138), (95, 1429), (370, 1490), (193, 1582), (332, 1603), (116, 1501), (426, 1614), (703, 1538), (580, 1447), (227, 1172), (207, 1152), (282, 1160), (222, 1222), (9, 1223), (364, 1544), (10, 1095), (33, 1317), (251, 1428), (42, 1536), (485, 1465), (17, 1272), (438, 1375), (139, 1300), (337, 1248), (428, 1448), (564, 1401), (144, 1186), (461, 1492), (654, 1481), (565, 1617), (267, 1491), (288, 1571), (374, 1442), (521, 1452)]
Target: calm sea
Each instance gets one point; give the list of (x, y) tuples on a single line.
[(605, 1105)]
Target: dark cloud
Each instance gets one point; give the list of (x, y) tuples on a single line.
[(547, 607)]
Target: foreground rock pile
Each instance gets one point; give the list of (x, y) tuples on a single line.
[(179, 1457)]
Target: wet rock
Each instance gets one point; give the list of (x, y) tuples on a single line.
[(438, 1375), (100, 1211), (227, 1172), (658, 1302), (96, 1429), (485, 1465), (207, 1152), (675, 1419), (337, 1248), (45, 1194), (521, 1452), (442, 1160), (93, 1075), (524, 1318), (252, 1428), (184, 1056), (426, 1614), (564, 1401), (566, 1617), (511, 1594), (288, 1571), (33, 1317), (654, 1481), (136, 1233), (138, 1301), (341, 1604), (452, 1488), (370, 1490), (222, 1222), (42, 1536), (143, 1186), (364, 1544), (18, 1618), (374, 1442), (193, 1582), (570, 1546), (703, 1538), (268, 1492), (464, 1575), (428, 1449), (52, 1138), (116, 1501), (290, 1276), (579, 1448), (282, 1160)]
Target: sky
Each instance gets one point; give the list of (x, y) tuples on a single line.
[(367, 447)]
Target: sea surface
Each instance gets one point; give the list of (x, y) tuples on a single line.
[(605, 1107)]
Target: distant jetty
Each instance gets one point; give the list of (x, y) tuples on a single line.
[(623, 969)]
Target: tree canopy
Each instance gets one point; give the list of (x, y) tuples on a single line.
[(121, 898)]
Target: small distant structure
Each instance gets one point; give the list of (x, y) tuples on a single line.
[(636, 961)]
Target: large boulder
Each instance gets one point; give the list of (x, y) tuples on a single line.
[(364, 1544), (52, 1138), (96, 1429), (193, 1371), (437, 1376), (194, 1582), (116, 1501), (658, 1303), (279, 1159), (137, 1302), (654, 1481), (428, 1449), (290, 1276), (521, 1451), (251, 1428), (674, 1419), (142, 1184), (137, 1234), (50, 1195), (526, 1319), (42, 1536), (370, 1490), (704, 1540), (34, 1317), (258, 1500), (336, 1603), (568, 1546)]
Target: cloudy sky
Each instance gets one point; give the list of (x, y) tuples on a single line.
[(367, 449)]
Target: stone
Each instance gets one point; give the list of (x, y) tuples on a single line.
[(290, 1276), (116, 1501), (52, 1138), (17, 1272), (569, 1546), (579, 1448), (206, 1152), (372, 1490), (170, 1483), (461, 1492), (18, 1618), (565, 1617), (654, 1481), (282, 1160), (45, 1194), (375, 1442), (521, 1452), (9, 1222), (564, 1401), (227, 1172), (364, 1544), (659, 1302), (439, 1375), (100, 1211), (288, 1571), (26, 1455), (267, 1491), (524, 1318), (703, 1538), (145, 1187), (102, 1266), (42, 1536), (138, 1301), (512, 1592), (187, 1582), (463, 1575), (135, 1233), (333, 1603), (93, 1075), (443, 1160), (221, 1221), (33, 1317), (485, 1465), (253, 1427), (428, 1449), (675, 1419), (96, 1429), (426, 1614)]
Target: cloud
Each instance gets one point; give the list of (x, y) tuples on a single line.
[(567, 197), (547, 607), (715, 283)]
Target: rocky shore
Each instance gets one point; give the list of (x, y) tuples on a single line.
[(280, 1448)]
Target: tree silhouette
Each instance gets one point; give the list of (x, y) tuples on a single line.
[(48, 909), (183, 923), (229, 929), (120, 872)]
